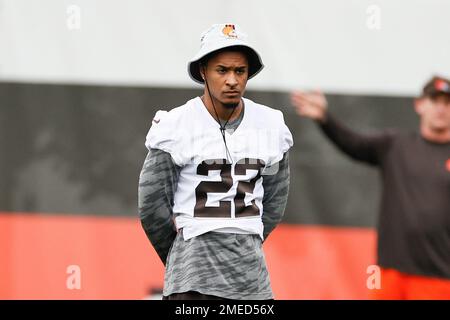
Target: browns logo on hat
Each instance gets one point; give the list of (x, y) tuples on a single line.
[(228, 30)]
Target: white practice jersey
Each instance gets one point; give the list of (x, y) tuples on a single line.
[(219, 190)]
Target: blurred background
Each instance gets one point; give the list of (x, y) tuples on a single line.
[(80, 81)]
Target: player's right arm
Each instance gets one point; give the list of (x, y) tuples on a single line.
[(159, 179), (157, 185), (363, 147)]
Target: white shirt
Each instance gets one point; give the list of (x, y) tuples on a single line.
[(213, 193)]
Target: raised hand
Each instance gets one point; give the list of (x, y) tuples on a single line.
[(311, 104)]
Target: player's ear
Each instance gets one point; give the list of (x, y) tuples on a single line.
[(418, 104), (202, 70)]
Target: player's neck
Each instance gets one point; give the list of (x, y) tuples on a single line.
[(437, 136), (223, 112)]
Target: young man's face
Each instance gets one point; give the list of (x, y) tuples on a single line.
[(227, 75), (434, 112)]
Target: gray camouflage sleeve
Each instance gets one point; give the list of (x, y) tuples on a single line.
[(276, 190), (157, 185)]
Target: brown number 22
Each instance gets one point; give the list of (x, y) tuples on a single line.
[(224, 208)]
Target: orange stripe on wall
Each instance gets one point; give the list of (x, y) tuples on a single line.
[(317, 262), (114, 256), (117, 261)]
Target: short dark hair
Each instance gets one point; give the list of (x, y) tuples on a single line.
[(436, 86)]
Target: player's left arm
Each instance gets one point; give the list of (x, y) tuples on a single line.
[(276, 190)]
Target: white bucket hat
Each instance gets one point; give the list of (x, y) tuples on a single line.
[(221, 36)]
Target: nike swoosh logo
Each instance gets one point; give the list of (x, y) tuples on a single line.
[(156, 120)]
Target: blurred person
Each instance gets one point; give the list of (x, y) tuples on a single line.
[(414, 219), (215, 181)]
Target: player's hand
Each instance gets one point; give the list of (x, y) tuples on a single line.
[(312, 104)]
